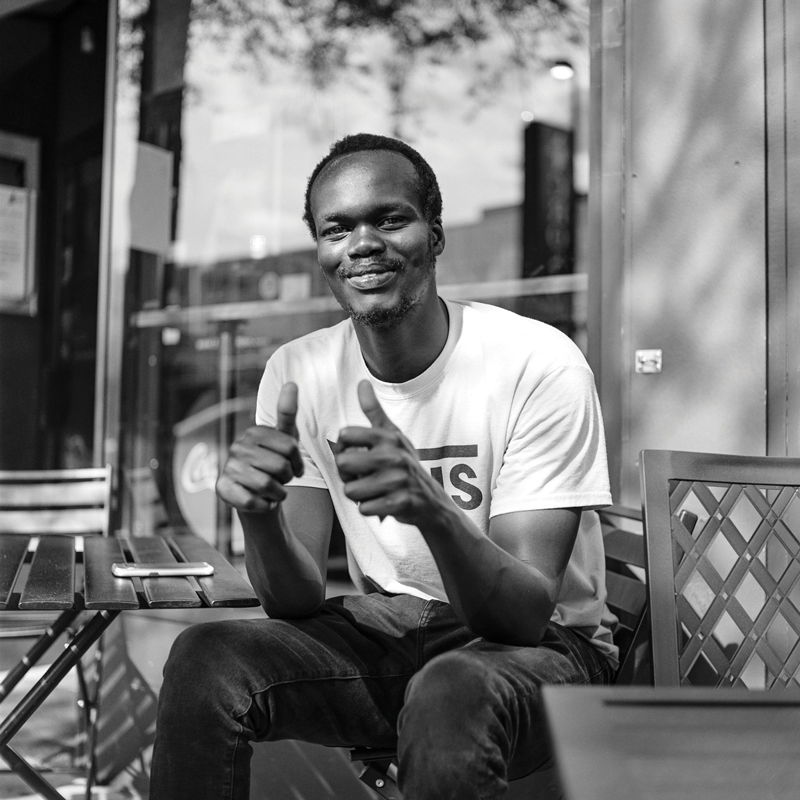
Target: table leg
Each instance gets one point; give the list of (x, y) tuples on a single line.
[(39, 648), (76, 648), (29, 774)]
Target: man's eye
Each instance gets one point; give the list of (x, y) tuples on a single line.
[(392, 222), (336, 230)]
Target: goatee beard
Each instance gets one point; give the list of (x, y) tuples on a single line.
[(384, 318), (381, 318)]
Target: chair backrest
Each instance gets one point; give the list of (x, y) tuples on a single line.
[(626, 591), (725, 596), (67, 501)]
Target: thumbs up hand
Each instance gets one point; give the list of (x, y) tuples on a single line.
[(380, 467), (262, 460)]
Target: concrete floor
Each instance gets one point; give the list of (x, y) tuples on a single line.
[(280, 771)]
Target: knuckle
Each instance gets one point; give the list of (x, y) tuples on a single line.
[(250, 503)]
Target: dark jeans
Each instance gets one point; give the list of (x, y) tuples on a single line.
[(373, 670)]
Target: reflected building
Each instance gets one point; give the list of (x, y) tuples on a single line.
[(168, 259)]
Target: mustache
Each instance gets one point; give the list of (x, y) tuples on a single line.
[(368, 265)]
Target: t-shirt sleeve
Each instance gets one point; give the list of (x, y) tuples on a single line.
[(266, 414), (556, 452)]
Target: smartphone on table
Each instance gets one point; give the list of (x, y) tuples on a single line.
[(168, 569)]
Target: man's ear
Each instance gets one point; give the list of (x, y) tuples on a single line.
[(437, 238)]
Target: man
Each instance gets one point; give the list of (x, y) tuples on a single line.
[(457, 443)]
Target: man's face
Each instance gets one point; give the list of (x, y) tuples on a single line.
[(374, 245)]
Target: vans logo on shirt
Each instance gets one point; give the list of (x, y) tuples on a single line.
[(458, 477), (471, 496)]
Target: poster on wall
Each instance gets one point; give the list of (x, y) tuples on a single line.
[(16, 247)]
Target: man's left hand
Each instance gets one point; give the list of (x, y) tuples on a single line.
[(381, 470)]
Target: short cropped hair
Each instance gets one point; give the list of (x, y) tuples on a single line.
[(429, 194)]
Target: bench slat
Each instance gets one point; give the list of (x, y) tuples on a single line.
[(162, 592), (225, 587), (54, 520), (51, 582), (57, 494), (12, 553), (626, 597), (101, 588), (624, 546)]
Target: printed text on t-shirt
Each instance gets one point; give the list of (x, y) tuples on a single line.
[(457, 473)]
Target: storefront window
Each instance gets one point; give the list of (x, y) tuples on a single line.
[(222, 111)]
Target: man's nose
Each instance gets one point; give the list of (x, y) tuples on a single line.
[(364, 240)]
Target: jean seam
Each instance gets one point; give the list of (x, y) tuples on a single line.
[(427, 609), (232, 770), (238, 715)]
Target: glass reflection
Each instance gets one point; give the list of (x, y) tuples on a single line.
[(223, 109)]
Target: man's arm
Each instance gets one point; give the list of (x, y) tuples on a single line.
[(503, 586), (287, 530)]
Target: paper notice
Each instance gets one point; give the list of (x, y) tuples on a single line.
[(14, 211)]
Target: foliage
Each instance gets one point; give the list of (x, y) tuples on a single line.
[(326, 38)]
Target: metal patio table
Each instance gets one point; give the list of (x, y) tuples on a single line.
[(72, 577)]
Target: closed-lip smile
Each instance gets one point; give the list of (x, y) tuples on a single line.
[(369, 276)]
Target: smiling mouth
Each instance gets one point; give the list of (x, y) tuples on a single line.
[(372, 276), (370, 280)]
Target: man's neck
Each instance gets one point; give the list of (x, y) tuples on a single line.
[(398, 353)]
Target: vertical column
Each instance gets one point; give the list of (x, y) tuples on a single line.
[(777, 277), (227, 392), (607, 103)]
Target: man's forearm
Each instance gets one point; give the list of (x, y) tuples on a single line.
[(496, 595), (286, 578)]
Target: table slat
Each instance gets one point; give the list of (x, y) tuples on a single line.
[(162, 592), (225, 587), (101, 588), (12, 553), (51, 582)]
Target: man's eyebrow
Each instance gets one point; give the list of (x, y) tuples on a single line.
[(384, 208)]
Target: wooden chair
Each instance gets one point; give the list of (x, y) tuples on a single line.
[(627, 599), (725, 597), (73, 502)]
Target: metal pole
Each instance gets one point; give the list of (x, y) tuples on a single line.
[(80, 643), (39, 648), (226, 383)]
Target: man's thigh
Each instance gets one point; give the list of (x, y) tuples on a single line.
[(485, 698), (338, 678), (563, 657)]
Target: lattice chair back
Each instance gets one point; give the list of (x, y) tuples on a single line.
[(724, 591)]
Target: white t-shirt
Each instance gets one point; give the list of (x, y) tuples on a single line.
[(506, 419)]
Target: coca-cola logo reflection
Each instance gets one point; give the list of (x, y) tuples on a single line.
[(200, 469)]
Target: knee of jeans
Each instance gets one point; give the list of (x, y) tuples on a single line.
[(452, 680), (196, 655)]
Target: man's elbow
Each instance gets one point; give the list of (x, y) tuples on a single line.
[(297, 606), (521, 623)]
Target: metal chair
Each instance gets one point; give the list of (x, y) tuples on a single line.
[(627, 599), (725, 597), (73, 502)]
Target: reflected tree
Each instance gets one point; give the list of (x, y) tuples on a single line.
[(392, 40)]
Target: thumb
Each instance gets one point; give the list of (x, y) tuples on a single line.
[(372, 408), (287, 409)]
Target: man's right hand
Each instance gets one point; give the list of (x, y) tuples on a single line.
[(262, 460)]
